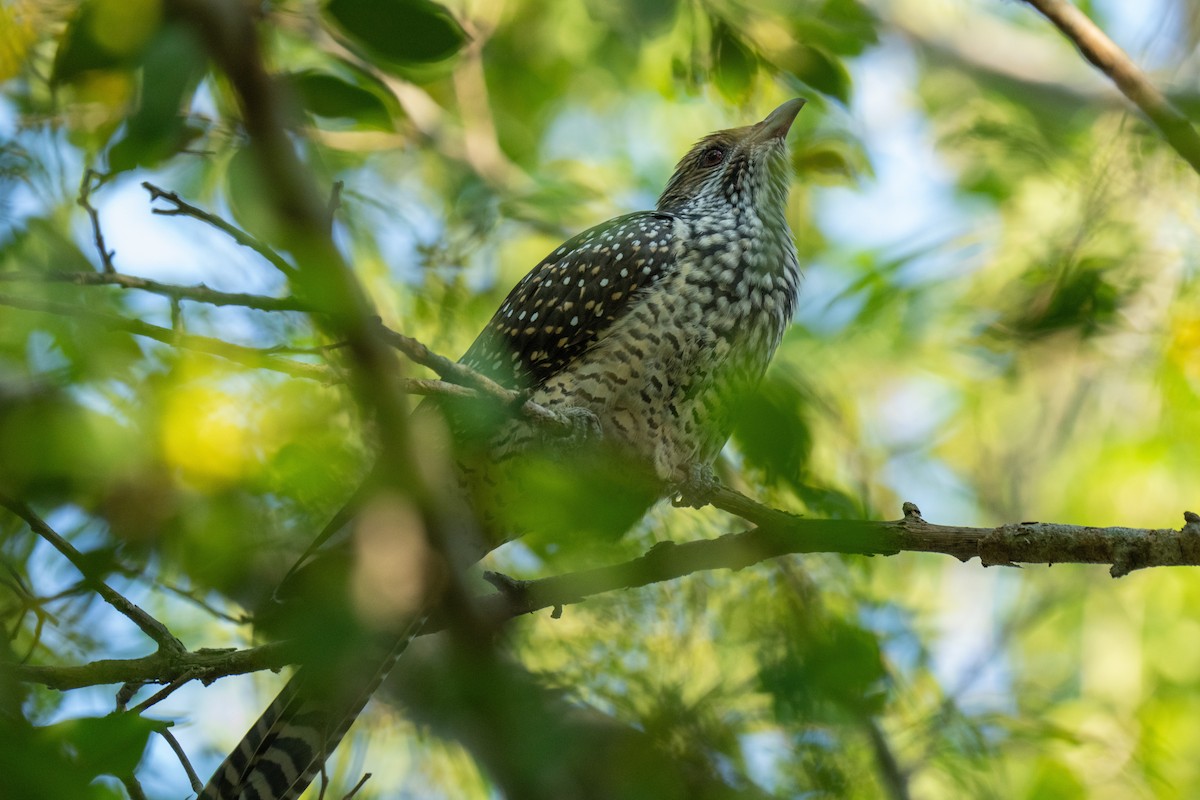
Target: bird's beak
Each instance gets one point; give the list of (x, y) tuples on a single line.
[(779, 122)]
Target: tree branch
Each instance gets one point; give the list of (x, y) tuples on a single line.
[(1110, 59), (1125, 549), (182, 209), (205, 665)]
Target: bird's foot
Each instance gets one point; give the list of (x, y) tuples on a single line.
[(697, 489), (582, 427)]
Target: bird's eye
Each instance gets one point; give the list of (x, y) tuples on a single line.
[(713, 156)]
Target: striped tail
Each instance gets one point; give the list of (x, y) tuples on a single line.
[(281, 754)]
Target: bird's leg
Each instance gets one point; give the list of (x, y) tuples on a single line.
[(696, 489)]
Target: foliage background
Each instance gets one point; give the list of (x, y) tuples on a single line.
[(999, 322)]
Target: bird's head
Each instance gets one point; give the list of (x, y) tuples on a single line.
[(742, 168)]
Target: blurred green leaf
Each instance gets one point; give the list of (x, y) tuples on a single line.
[(772, 429), (734, 64), (831, 670), (818, 69), (399, 31), (332, 96), (634, 20), (1054, 780), (111, 745), (830, 160), (172, 67), (1082, 298), (842, 27)]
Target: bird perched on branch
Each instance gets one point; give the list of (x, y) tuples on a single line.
[(647, 329)]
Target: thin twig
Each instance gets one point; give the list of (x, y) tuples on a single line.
[(1110, 59), (148, 624), (193, 778), (161, 694), (248, 356), (181, 208), (457, 374), (91, 180), (361, 781), (199, 293)]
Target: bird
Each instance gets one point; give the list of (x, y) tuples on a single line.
[(645, 331)]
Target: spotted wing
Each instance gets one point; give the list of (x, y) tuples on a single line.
[(568, 301)]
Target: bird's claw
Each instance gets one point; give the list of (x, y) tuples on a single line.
[(582, 425), (697, 489)]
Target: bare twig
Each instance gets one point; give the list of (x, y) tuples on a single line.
[(162, 694), (247, 356), (193, 778), (158, 632), (199, 293), (458, 375), (1110, 59), (92, 180), (361, 782), (465, 376), (180, 208)]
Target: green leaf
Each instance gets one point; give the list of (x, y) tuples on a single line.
[(772, 429), (831, 669), (734, 65), (1081, 298), (111, 745), (326, 95), (843, 27), (399, 31)]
